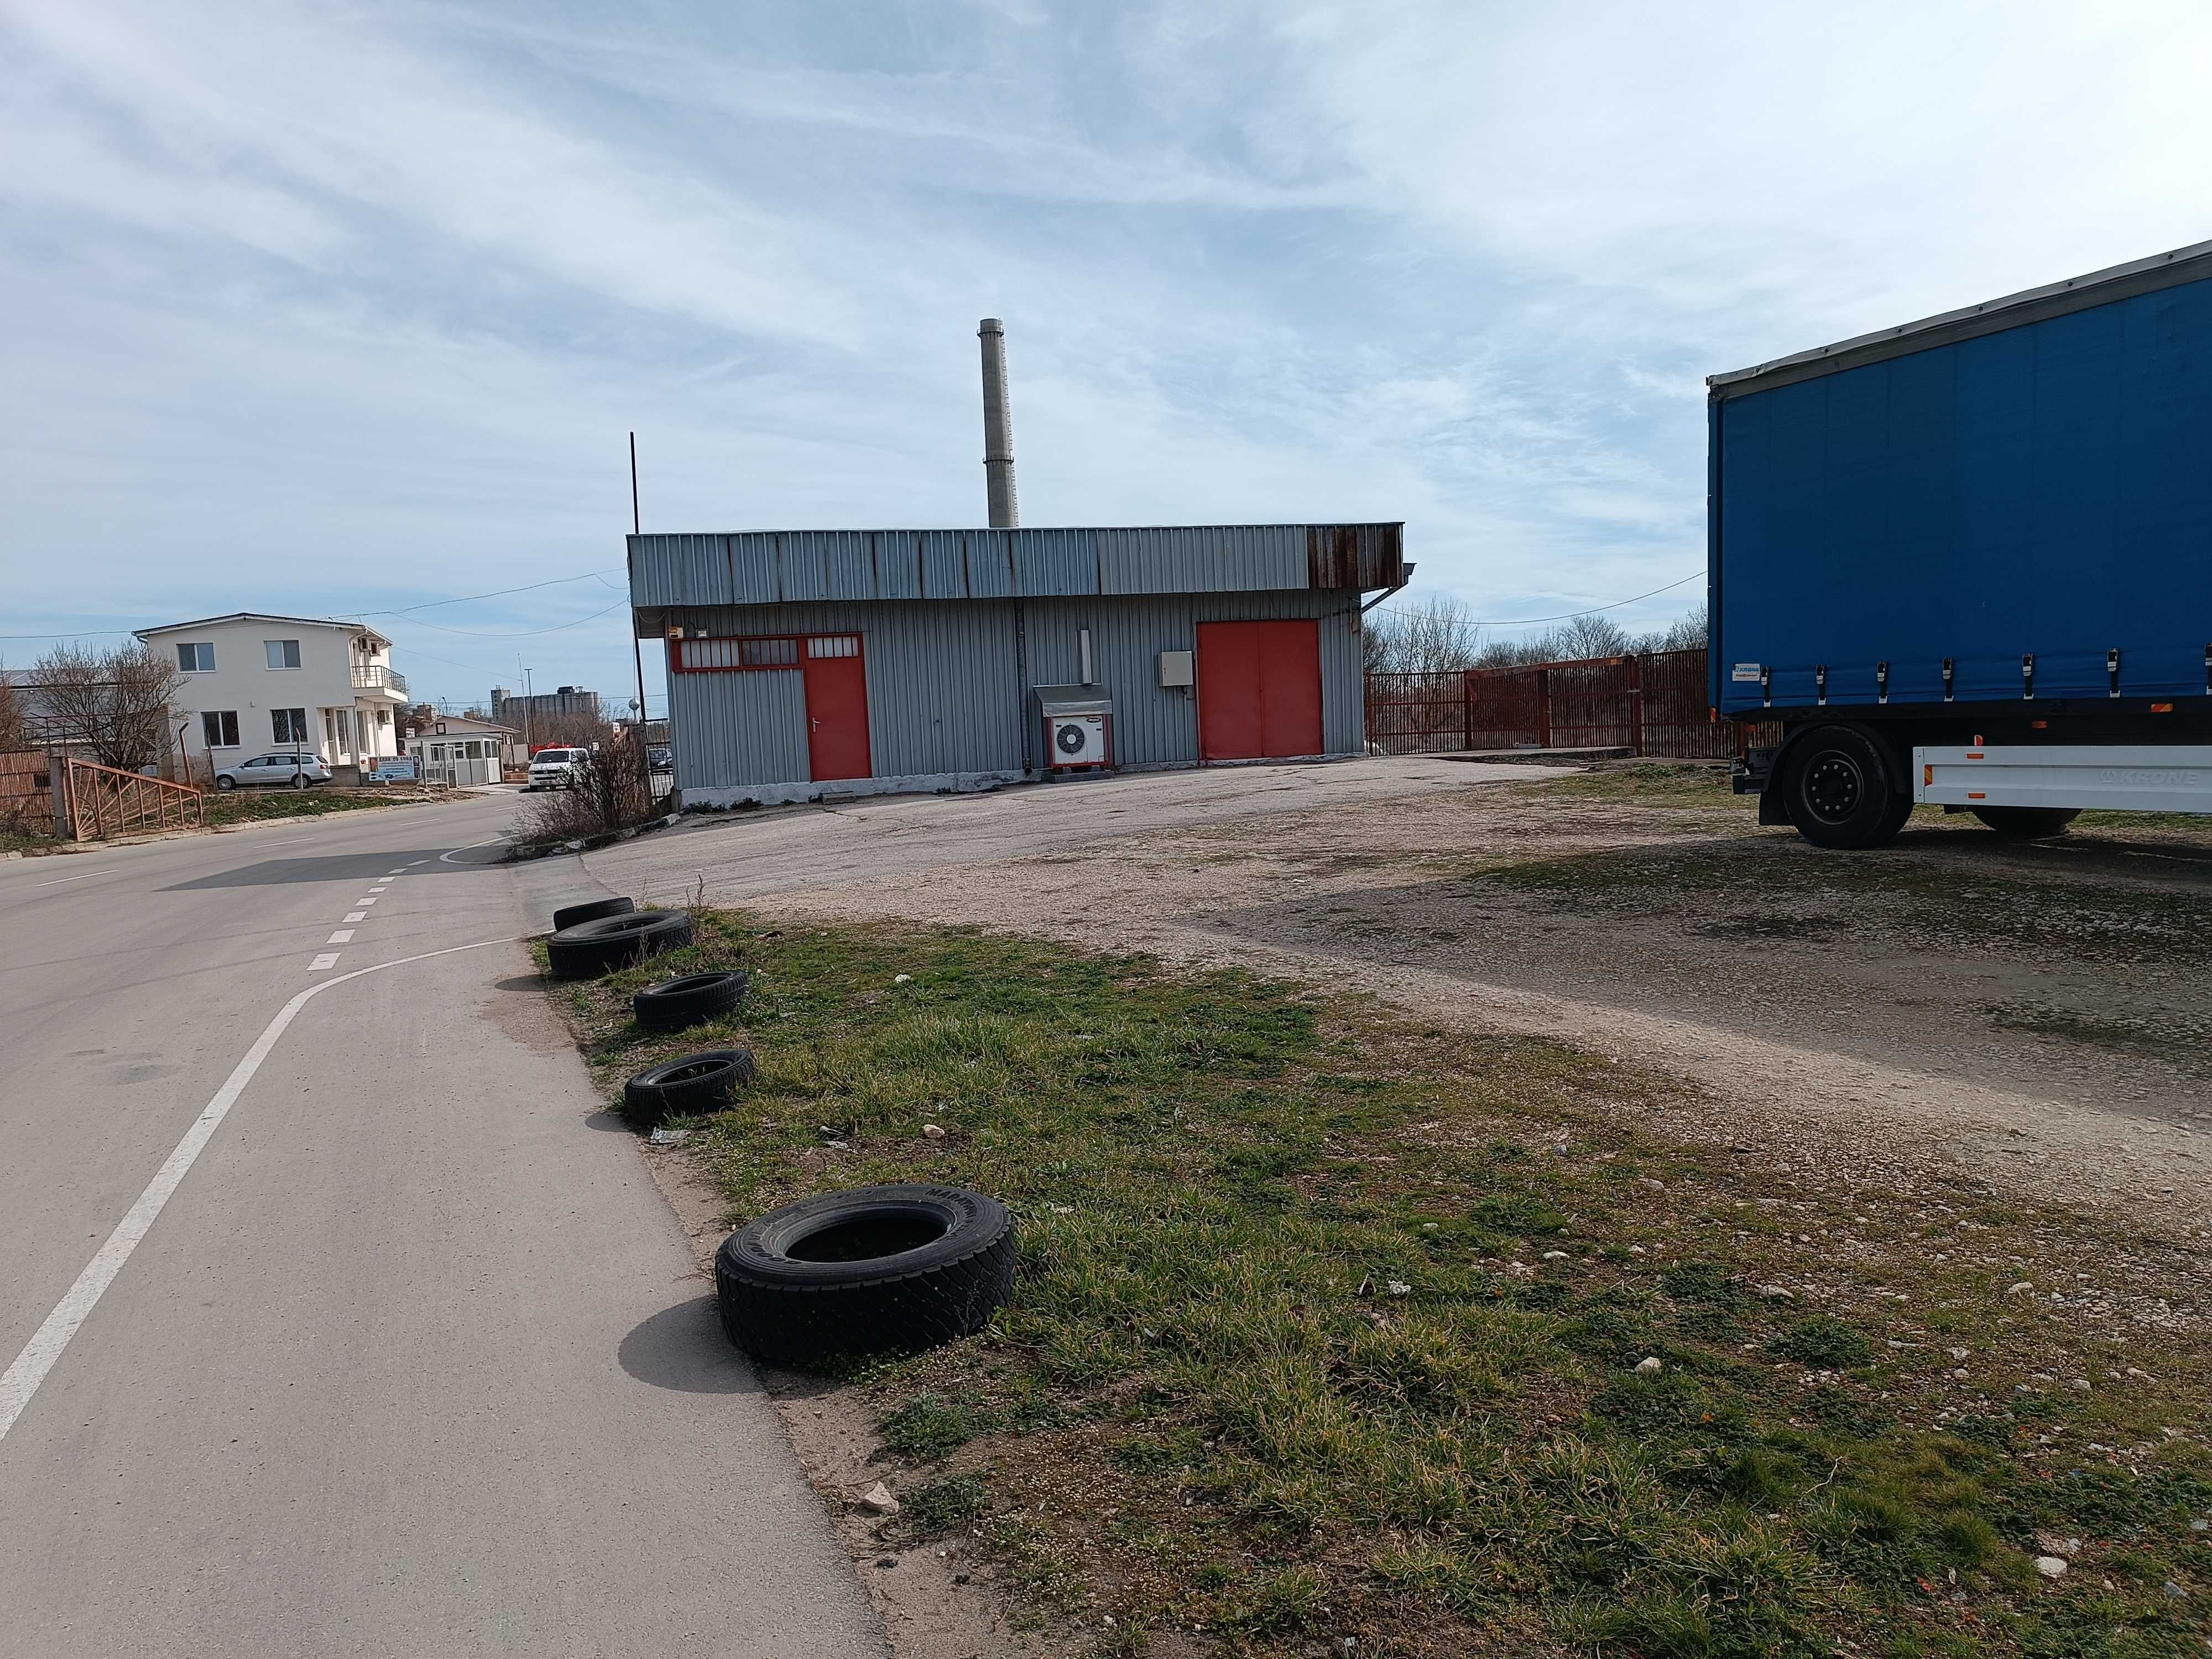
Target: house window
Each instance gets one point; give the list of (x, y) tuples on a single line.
[(219, 726), (197, 658), (282, 654), (290, 725)]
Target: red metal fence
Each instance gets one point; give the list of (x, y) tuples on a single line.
[(1651, 703)]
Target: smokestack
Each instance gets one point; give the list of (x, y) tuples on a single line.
[(998, 428)]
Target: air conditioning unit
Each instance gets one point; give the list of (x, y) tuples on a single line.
[(1077, 724)]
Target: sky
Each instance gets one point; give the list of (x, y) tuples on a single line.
[(349, 310)]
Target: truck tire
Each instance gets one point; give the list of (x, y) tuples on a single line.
[(2027, 823), (876, 1270), (1837, 788), (592, 948), (677, 1004), (690, 1087), (570, 915)]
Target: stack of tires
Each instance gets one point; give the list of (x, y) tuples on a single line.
[(597, 938)]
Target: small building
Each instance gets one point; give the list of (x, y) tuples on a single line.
[(801, 662), (251, 682), (458, 749)]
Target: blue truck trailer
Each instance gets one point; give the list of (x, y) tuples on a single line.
[(1968, 561)]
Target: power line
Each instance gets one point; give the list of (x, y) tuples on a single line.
[(520, 633), (498, 594), (1527, 621)]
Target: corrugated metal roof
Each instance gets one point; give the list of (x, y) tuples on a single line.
[(782, 567)]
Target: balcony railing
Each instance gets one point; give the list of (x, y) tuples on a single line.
[(377, 677)]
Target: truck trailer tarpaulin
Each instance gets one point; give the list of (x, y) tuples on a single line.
[(1992, 523)]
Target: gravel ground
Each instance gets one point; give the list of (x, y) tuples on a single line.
[(2026, 1014)]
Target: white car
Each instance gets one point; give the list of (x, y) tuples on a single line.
[(281, 770), (555, 769)]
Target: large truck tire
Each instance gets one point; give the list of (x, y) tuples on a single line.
[(2027, 823), (1838, 790), (677, 1004), (592, 948), (591, 910), (875, 1270), (696, 1086)]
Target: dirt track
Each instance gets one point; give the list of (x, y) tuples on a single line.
[(2031, 1014)]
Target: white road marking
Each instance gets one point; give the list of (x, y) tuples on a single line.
[(87, 876), (328, 959), (389, 873), (371, 899), (447, 858), (425, 860), (21, 1379), (355, 915), (296, 841), (344, 936)]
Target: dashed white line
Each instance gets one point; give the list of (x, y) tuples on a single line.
[(327, 959), (396, 872), (87, 876), (344, 936), (23, 1377), (418, 861), (371, 899), (355, 915)]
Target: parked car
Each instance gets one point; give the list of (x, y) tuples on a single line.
[(282, 771), (660, 758), (555, 769)]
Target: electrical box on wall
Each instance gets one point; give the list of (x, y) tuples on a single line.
[(1176, 669)]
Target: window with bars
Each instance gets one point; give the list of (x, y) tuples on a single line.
[(834, 645), (708, 656)]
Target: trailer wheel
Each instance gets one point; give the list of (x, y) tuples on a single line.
[(1837, 791), (2027, 823)]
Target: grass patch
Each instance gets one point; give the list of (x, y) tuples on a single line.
[(1319, 1332), (226, 807), (1654, 783)]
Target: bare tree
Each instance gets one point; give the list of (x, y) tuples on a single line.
[(15, 732), (1685, 633), (115, 702), (610, 790), (1433, 634)]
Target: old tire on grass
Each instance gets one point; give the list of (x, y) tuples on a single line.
[(2027, 823), (694, 1086), (592, 948), (876, 1270), (570, 915), (677, 1004)]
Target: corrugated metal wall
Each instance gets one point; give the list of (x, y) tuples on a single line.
[(948, 690)]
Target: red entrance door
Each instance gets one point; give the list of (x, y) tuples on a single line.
[(1259, 689), (837, 707)]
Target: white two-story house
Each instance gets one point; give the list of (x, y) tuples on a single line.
[(250, 683)]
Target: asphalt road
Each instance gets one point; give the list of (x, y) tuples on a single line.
[(414, 1360)]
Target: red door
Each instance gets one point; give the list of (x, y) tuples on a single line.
[(837, 707), (1259, 689)]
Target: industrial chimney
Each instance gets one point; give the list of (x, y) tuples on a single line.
[(998, 428)]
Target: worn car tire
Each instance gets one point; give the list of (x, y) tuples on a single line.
[(570, 915), (876, 1270), (676, 1005), (690, 1087), (592, 948), (2027, 823), (1837, 789)]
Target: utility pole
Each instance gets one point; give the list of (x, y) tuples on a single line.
[(636, 651)]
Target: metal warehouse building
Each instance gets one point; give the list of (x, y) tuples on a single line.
[(806, 662)]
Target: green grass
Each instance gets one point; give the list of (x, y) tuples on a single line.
[(254, 805), (1289, 1358)]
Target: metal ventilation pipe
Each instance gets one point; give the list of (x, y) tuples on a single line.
[(998, 428)]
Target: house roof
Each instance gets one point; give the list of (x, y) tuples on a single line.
[(461, 725), (266, 616)]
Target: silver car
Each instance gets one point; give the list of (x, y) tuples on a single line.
[(284, 770)]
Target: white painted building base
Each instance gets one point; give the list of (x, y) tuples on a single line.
[(791, 794)]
